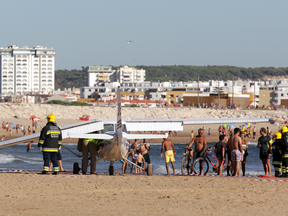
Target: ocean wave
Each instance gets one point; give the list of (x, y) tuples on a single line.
[(6, 158)]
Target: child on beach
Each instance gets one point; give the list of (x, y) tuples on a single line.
[(219, 150), (139, 160)]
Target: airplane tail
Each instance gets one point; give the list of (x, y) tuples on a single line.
[(119, 117)]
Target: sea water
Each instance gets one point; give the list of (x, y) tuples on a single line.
[(17, 158)]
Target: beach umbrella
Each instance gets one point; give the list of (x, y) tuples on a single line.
[(247, 125), (224, 125), (36, 119), (85, 116), (32, 117), (232, 126), (11, 125), (277, 120)]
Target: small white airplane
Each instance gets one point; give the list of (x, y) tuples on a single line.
[(129, 42), (114, 132)]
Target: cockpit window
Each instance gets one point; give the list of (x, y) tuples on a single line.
[(108, 127)]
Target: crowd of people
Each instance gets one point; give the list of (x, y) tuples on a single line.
[(232, 147)]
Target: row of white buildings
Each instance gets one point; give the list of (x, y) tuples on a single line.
[(92, 75)]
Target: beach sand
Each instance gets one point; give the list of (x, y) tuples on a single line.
[(32, 194)]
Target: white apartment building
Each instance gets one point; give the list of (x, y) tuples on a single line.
[(25, 70), (131, 75), (92, 75)]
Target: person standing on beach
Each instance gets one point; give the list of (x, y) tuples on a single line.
[(50, 142), (284, 150), (135, 145), (200, 144), (265, 146), (209, 132), (170, 153), (144, 150), (219, 149), (254, 133), (236, 152), (245, 151), (277, 154), (191, 135), (89, 145)]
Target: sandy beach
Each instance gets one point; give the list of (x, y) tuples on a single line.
[(66, 194), (32, 194)]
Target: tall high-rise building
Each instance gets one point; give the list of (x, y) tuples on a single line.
[(25, 70)]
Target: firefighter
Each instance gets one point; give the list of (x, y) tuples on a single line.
[(50, 142), (277, 154), (284, 150), (89, 145)]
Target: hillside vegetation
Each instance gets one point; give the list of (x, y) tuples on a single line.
[(70, 78)]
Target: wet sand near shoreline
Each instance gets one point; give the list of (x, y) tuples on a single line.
[(32, 194)]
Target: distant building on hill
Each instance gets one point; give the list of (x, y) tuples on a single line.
[(92, 75), (27, 70), (130, 75)]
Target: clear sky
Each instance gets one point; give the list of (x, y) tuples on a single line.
[(246, 33)]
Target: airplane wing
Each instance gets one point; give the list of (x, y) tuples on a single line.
[(200, 120), (145, 136), (79, 128), (92, 136)]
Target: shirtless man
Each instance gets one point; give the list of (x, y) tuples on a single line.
[(200, 146), (144, 149), (235, 146), (170, 152)]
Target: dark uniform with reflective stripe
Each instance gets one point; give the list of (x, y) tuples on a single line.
[(277, 157), (50, 142), (284, 150)]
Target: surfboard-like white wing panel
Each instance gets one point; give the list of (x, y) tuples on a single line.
[(92, 136), (96, 126), (145, 136), (155, 126), (224, 120)]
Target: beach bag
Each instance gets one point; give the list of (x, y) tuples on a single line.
[(80, 145)]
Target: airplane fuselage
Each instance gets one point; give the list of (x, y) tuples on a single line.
[(114, 149)]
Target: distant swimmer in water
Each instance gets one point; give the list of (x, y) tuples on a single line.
[(29, 146)]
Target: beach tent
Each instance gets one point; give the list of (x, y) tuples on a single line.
[(232, 126), (186, 117), (37, 119), (11, 125)]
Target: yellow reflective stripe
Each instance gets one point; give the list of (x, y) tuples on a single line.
[(270, 141), (59, 142), (45, 168), (56, 169), (52, 132), (50, 150), (41, 141)]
